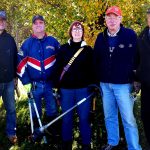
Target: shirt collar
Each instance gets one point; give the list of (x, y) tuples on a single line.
[(112, 35)]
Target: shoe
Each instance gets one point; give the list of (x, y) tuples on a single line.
[(13, 139), (108, 147), (37, 135)]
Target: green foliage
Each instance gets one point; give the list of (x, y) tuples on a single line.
[(59, 14)]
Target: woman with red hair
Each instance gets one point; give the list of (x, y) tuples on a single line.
[(74, 83)]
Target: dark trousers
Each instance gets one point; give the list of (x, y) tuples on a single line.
[(145, 109), (69, 97)]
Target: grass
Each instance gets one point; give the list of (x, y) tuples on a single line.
[(97, 122)]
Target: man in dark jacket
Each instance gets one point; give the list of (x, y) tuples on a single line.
[(114, 54), (143, 73), (8, 55)]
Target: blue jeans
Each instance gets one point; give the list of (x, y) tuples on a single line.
[(44, 90), (69, 97), (7, 93), (117, 96)]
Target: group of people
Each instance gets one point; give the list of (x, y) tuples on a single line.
[(118, 62)]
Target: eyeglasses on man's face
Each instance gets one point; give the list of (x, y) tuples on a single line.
[(112, 17)]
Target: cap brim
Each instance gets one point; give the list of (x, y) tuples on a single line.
[(37, 19), (112, 13)]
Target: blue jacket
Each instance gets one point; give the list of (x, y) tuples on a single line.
[(117, 68), (36, 59)]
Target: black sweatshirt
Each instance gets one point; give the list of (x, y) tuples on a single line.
[(80, 73), (143, 57), (8, 57)]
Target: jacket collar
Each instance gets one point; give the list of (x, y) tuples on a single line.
[(115, 34), (3, 33), (145, 31), (105, 33), (34, 36), (145, 34)]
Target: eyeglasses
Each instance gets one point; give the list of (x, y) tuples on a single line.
[(77, 30), (112, 18)]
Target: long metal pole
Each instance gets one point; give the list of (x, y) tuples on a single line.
[(70, 109)]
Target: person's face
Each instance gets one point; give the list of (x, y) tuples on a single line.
[(2, 24), (113, 21), (77, 33), (148, 19), (38, 26)]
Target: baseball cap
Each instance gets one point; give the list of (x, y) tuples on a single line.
[(115, 10), (37, 17), (3, 14)]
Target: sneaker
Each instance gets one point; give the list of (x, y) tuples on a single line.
[(108, 147), (13, 139)]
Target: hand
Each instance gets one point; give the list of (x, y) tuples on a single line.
[(56, 93), (136, 86), (28, 87), (94, 88)]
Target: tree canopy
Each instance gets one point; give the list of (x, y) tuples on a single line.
[(59, 14)]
